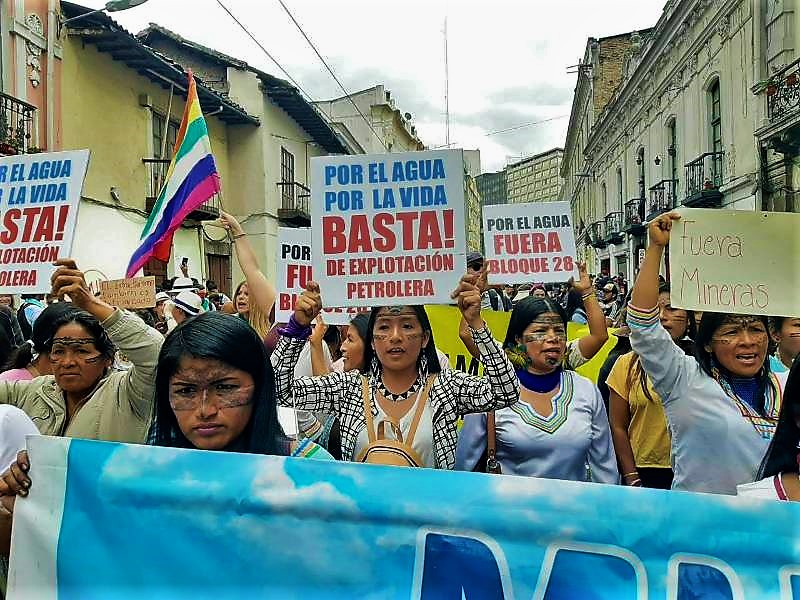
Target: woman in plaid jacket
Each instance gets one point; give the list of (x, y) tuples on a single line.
[(400, 354)]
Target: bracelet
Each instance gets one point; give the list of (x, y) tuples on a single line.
[(631, 473), (238, 236), (635, 483), (587, 295)]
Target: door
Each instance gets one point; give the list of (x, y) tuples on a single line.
[(219, 271)]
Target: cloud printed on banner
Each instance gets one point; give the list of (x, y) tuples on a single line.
[(286, 523)]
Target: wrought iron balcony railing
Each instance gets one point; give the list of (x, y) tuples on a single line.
[(613, 228), (663, 197), (597, 234), (16, 125), (783, 92), (295, 202), (634, 216), (156, 177), (704, 177)]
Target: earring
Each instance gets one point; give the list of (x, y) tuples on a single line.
[(374, 369), (423, 366)]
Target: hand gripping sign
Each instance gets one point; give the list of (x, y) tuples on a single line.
[(388, 228)]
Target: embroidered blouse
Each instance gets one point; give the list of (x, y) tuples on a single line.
[(452, 395), (576, 434), (706, 420)]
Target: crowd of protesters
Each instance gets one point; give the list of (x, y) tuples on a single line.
[(706, 403)]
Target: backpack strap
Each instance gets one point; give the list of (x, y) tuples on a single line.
[(492, 466), (367, 409), (421, 401)]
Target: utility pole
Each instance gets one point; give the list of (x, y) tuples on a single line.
[(446, 90)]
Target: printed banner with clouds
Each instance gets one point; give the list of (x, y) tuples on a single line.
[(120, 521)]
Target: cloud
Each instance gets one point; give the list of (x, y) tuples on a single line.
[(273, 486)]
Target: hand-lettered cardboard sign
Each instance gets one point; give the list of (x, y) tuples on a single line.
[(137, 292), (388, 228), (531, 242), (39, 198), (736, 261), (294, 272)]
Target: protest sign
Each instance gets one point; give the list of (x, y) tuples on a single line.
[(39, 198), (304, 528), (388, 228), (445, 334), (137, 292), (529, 242), (294, 272), (736, 261)]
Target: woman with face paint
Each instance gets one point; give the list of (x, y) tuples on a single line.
[(721, 403), (559, 425), (409, 398)]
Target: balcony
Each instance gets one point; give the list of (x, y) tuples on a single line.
[(597, 234), (157, 174), (613, 228), (663, 198), (783, 92), (295, 200), (704, 176), (634, 217), (16, 124)]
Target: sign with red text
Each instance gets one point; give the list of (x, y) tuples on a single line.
[(294, 272), (39, 198), (531, 242), (735, 261), (388, 228)]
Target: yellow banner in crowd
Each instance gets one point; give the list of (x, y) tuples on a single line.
[(445, 321)]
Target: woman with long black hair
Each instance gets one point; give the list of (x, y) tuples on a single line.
[(406, 406), (724, 401)]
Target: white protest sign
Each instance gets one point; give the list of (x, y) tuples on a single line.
[(39, 198), (529, 242), (294, 272), (388, 228), (736, 261)]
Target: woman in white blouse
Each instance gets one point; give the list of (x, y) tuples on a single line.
[(559, 426), (722, 404)]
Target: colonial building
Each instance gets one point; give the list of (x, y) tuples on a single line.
[(536, 178), (372, 118), (123, 101), (269, 184), (677, 129)]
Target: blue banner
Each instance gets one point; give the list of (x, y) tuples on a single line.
[(121, 521)]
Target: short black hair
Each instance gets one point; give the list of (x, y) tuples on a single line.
[(525, 312)]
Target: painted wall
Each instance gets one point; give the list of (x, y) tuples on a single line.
[(102, 112)]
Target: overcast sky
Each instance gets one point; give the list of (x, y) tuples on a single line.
[(508, 59)]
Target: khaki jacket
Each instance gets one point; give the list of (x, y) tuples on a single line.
[(119, 410)]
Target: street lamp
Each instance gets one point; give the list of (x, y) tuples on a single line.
[(111, 6)]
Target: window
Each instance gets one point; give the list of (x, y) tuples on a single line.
[(287, 177), (287, 166), (620, 190), (604, 197), (158, 136), (672, 152), (716, 117), (640, 163)]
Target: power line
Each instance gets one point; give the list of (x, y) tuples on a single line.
[(523, 125), (265, 51), (335, 78)]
